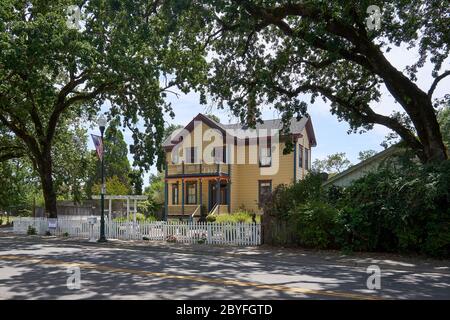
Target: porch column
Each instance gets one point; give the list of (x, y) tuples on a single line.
[(166, 200), (218, 195), (229, 195), (182, 196), (229, 188), (201, 195)]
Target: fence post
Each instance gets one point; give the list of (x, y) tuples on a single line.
[(208, 230)]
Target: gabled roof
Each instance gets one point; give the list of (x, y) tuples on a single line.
[(380, 155), (296, 127)]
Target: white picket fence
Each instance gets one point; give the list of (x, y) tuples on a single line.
[(239, 234)]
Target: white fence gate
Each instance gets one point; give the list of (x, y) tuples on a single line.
[(240, 234)]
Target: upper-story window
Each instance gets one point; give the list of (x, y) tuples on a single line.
[(175, 156), (265, 156), (191, 155), (219, 154), (300, 156), (307, 159)]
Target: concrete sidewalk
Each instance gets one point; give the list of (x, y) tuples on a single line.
[(264, 252)]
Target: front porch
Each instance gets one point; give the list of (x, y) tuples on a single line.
[(186, 197)]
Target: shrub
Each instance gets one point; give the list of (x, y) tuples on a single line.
[(404, 210), (401, 207), (284, 198), (210, 218), (316, 224), (65, 234), (31, 231), (139, 218), (238, 216)]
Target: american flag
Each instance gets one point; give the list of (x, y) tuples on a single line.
[(98, 145)]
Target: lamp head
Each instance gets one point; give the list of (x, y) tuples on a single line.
[(101, 122)]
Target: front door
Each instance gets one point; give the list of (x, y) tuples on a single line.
[(213, 194)]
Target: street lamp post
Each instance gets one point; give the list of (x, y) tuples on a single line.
[(102, 125)]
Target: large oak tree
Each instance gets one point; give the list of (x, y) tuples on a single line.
[(283, 52), (49, 70)]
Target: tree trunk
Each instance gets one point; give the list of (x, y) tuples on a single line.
[(429, 132), (418, 106), (45, 172)]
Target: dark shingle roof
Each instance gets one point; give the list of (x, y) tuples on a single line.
[(296, 127)]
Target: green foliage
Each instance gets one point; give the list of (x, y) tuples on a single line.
[(116, 154), (140, 217), (399, 208), (18, 184), (366, 154), (444, 122), (211, 218), (333, 163), (114, 186), (316, 224), (31, 231), (213, 117), (284, 197), (71, 159), (50, 72), (155, 193), (238, 216), (280, 52), (396, 209)]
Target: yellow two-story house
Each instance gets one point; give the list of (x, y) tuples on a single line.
[(227, 167)]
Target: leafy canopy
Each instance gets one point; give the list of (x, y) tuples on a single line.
[(289, 53)]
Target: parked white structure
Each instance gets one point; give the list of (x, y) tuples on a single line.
[(239, 234), (135, 199)]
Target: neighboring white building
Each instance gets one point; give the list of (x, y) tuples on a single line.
[(359, 170)]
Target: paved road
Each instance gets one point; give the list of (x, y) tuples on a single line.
[(37, 269)]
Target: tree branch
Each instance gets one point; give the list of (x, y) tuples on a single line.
[(363, 111), (436, 81)]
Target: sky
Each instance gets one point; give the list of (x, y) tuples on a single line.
[(331, 135)]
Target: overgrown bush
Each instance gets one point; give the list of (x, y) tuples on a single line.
[(399, 208), (402, 209), (316, 224), (31, 231)]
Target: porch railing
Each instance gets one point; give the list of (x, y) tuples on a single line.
[(197, 169)]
